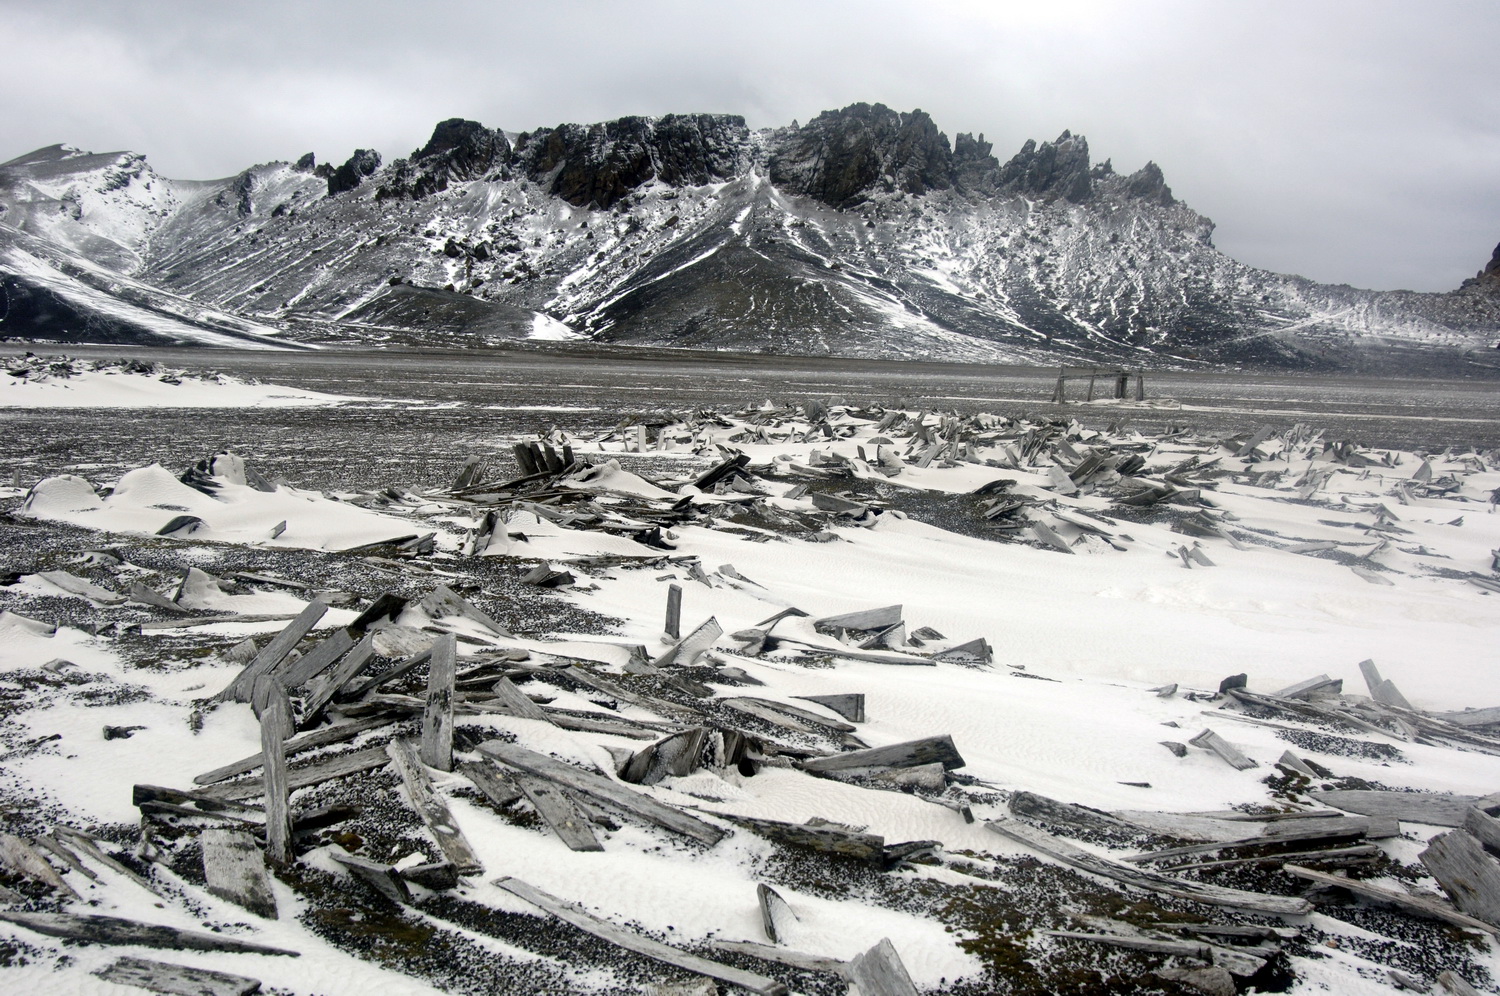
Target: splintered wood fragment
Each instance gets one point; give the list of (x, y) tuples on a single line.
[(1292, 762), (23, 859), (772, 906), (437, 717), (806, 716), (1432, 909), (766, 712), (976, 651), (433, 810), (496, 786), (603, 790), (827, 839), (176, 980), (275, 726), (382, 877), (879, 972), (1048, 535), (851, 706), (315, 661), (1467, 873), (1439, 809), (559, 813), (1309, 686), (234, 870), (677, 754), (339, 766), (1455, 984), (1209, 740), (274, 653), (516, 703), (641, 945), (143, 595), (881, 618), (1040, 810), (674, 611), (118, 930), (1070, 854), (308, 741), (782, 956), (909, 754), (691, 647)]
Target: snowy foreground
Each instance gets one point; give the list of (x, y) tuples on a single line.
[(818, 553)]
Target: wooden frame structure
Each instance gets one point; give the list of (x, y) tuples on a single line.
[(1119, 375)]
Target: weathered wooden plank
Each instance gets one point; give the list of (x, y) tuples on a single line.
[(62, 851), (1429, 908), (23, 859), (274, 653), (1439, 809), (437, 716), (339, 766), (374, 681), (1349, 828), (496, 786), (1069, 854), (881, 618), (806, 716), (783, 956), (384, 878), (1471, 717), (308, 741), (772, 908), (1361, 853), (275, 726), (444, 601), (177, 980), (316, 660), (559, 812), (1456, 985), (91, 850), (603, 789), (692, 646), (433, 810), (1484, 827), (928, 750), (879, 972), (516, 701), (641, 945), (851, 705), (1209, 740), (234, 870), (1467, 873), (677, 754), (1310, 686), (118, 930), (674, 611), (143, 595), (827, 839), (324, 690)]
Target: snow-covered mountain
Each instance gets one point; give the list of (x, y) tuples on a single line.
[(864, 232)]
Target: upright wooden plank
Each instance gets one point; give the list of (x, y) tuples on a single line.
[(772, 909), (437, 717), (433, 810), (630, 941), (234, 869), (879, 972), (559, 813), (1484, 827), (1467, 873), (177, 980), (282, 644), (275, 726), (674, 611), (602, 789)]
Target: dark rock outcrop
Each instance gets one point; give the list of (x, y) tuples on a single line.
[(841, 157), (1487, 279), (1148, 184), (307, 164), (1050, 170), (458, 151), (362, 164), (602, 163)]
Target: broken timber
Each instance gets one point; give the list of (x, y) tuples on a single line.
[(276, 651), (559, 812), (879, 972), (603, 790), (234, 870), (1430, 908), (1467, 873), (1067, 853), (641, 945), (275, 713), (912, 753), (177, 980), (433, 810), (1437, 809), (1209, 740), (118, 930), (437, 717)]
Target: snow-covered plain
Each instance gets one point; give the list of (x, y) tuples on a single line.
[(78, 384), (1317, 558)]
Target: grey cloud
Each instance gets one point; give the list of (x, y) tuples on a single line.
[(1349, 142)]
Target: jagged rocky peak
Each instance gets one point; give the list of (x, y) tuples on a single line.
[(355, 171), (1148, 184), (307, 164), (601, 163), (842, 157), (1487, 279), (1050, 170)]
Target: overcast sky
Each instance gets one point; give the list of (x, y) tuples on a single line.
[(1353, 142)]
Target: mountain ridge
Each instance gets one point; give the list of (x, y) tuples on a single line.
[(864, 232)]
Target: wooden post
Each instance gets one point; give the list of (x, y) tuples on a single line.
[(1140, 386), (437, 718), (275, 712), (674, 611), (1091, 388), (1059, 392)]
